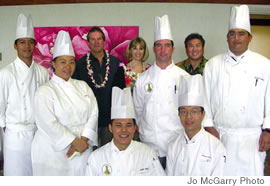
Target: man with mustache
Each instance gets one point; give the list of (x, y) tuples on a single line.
[(195, 63), (237, 87)]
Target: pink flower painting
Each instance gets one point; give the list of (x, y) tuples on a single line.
[(117, 40)]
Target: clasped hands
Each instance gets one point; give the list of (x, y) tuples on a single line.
[(79, 145)]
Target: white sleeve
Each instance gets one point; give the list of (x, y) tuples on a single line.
[(4, 92), (219, 161), (138, 100), (266, 121), (47, 122), (156, 168), (91, 128), (208, 118), (170, 162)]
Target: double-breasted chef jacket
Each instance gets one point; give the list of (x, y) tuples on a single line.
[(64, 110), (155, 99), (238, 100), (137, 160), (18, 84)]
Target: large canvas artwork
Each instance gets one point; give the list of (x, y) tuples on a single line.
[(117, 39)]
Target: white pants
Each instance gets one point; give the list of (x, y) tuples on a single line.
[(17, 151), (243, 156)]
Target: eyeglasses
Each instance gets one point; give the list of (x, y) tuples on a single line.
[(192, 112)]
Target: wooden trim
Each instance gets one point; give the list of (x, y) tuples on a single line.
[(260, 22), (40, 2)]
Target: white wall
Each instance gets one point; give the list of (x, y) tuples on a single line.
[(210, 20)]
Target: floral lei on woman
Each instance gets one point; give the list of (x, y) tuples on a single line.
[(130, 76), (91, 74)]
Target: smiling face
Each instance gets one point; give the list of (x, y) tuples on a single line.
[(123, 132), (25, 48), (238, 41), (191, 118), (64, 66), (137, 52), (194, 49)]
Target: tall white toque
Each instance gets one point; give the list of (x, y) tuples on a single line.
[(191, 92), (63, 45), (240, 18), (162, 28), (24, 27), (122, 104)]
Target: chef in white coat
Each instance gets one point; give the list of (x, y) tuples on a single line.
[(123, 156), (195, 152), (66, 114), (237, 87), (18, 83), (156, 93)]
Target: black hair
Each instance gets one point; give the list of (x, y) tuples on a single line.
[(194, 36), (134, 121), (202, 109), (16, 41)]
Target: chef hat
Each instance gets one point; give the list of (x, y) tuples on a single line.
[(240, 18), (122, 104), (191, 92), (162, 28), (24, 27), (63, 45)]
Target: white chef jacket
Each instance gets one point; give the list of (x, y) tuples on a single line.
[(137, 160), (155, 99), (203, 155), (238, 101), (1, 144), (64, 110), (18, 83)]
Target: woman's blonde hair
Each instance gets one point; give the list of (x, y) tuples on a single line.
[(137, 41)]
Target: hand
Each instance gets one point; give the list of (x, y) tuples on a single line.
[(264, 142), (84, 139), (70, 151), (212, 131), (80, 145)]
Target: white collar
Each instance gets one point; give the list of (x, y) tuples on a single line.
[(194, 138), (167, 68), (115, 148), (57, 79), (237, 58), (22, 64)]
